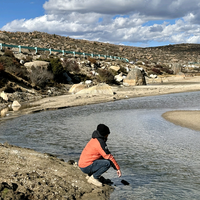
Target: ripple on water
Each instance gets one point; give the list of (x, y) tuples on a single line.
[(158, 159)]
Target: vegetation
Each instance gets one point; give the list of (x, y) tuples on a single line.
[(57, 69), (71, 66), (40, 77), (105, 76)]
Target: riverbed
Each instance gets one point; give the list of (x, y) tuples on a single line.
[(159, 159)]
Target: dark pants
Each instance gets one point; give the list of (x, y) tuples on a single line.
[(97, 168)]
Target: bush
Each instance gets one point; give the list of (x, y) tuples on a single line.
[(57, 69), (40, 77), (9, 53), (18, 71), (156, 71), (167, 70), (2, 69), (92, 60), (105, 76), (71, 66)]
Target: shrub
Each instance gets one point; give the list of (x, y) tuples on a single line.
[(57, 69), (18, 71), (6, 61), (105, 76), (167, 70), (2, 69), (71, 66), (92, 60), (40, 77), (156, 71), (9, 53)]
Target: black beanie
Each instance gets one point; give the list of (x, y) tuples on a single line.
[(103, 129)]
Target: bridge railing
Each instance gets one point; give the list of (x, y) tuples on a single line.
[(60, 51)]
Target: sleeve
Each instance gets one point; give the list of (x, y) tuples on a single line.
[(105, 153)]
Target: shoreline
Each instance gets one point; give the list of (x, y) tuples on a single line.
[(185, 118), (191, 84), (24, 171)]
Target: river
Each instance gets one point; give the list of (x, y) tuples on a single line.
[(159, 159)]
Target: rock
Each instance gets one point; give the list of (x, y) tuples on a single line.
[(4, 112), (119, 77), (4, 96), (76, 88), (153, 76), (115, 68), (37, 64), (88, 82), (16, 104), (134, 77), (97, 89), (68, 79)]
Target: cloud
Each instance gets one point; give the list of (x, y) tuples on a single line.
[(117, 21)]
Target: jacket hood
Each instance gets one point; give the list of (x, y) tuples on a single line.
[(96, 134)]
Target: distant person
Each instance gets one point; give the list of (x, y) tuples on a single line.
[(95, 158)]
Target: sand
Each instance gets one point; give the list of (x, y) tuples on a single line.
[(188, 119)]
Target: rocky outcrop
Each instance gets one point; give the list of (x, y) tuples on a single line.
[(103, 89), (36, 64), (135, 77), (76, 88), (26, 175)]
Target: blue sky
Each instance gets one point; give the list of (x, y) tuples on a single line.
[(141, 23)]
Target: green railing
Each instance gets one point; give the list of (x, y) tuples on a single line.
[(61, 51)]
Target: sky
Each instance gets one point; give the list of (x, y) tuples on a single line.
[(141, 23)]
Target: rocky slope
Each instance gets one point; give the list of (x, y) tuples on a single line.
[(26, 174)]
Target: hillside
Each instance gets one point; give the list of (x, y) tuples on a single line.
[(29, 75), (182, 53)]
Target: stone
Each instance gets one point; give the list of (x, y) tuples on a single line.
[(16, 104), (119, 77), (135, 77), (115, 68), (4, 96), (37, 64), (76, 88), (97, 89)]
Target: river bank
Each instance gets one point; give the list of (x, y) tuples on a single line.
[(39, 176), (70, 100), (27, 174)]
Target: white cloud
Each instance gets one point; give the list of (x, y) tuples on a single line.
[(117, 21)]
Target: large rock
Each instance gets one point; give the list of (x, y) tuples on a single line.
[(37, 64), (115, 68), (4, 96), (76, 88), (97, 89), (135, 77)]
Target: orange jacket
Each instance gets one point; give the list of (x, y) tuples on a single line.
[(96, 149)]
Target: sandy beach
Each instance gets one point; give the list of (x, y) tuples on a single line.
[(188, 119)]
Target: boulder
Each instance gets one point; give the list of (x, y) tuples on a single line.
[(135, 77), (97, 89), (4, 96), (76, 88), (3, 112), (37, 64), (16, 104), (115, 68), (119, 77)]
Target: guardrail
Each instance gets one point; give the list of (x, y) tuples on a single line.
[(60, 51)]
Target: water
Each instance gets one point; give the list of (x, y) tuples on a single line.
[(159, 159)]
